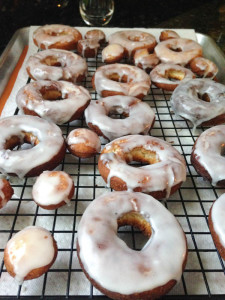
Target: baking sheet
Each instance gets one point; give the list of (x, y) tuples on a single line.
[(204, 273)]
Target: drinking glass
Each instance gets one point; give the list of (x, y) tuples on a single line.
[(96, 12)]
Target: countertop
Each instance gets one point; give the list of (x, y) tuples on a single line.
[(204, 16)]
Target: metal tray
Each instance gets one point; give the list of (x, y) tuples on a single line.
[(204, 274)]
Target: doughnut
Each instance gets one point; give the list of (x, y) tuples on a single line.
[(56, 36), (95, 34), (6, 192), (83, 143), (203, 67), (56, 101), (53, 189), (118, 271), (168, 34), (88, 48), (139, 116), (30, 253), (208, 154), (47, 151), (201, 101), (132, 40), (144, 60), (216, 224), (178, 51), (54, 64), (169, 76), (121, 79), (163, 174), (112, 53)]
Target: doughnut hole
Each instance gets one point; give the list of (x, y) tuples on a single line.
[(51, 61), (118, 78), (52, 93), (174, 75), (175, 48), (222, 149), (25, 138), (204, 97), (54, 33)]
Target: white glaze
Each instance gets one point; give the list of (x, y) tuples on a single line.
[(72, 65), (140, 116), (112, 51), (169, 171), (52, 188), (140, 80), (22, 161), (84, 136), (29, 249), (88, 44), (95, 34), (205, 65), (49, 35), (186, 103), (190, 49), (218, 218), (58, 111), (132, 39), (208, 151), (145, 60), (111, 263), (158, 74)]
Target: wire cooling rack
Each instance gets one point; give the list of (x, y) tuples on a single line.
[(204, 274)]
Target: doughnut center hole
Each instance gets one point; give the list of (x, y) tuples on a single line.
[(135, 38), (52, 93), (140, 157), (174, 75), (204, 97), (54, 33), (117, 112), (222, 150), (133, 226), (175, 48), (25, 141), (116, 77), (51, 61)]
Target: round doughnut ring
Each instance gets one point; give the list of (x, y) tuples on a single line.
[(46, 138), (162, 176), (121, 79), (56, 36), (54, 64), (140, 116), (56, 101), (203, 67), (119, 271), (178, 51)]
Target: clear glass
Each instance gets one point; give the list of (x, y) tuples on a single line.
[(96, 12)]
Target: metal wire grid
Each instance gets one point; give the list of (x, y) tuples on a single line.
[(204, 273)]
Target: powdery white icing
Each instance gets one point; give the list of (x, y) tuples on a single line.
[(20, 162), (186, 103), (84, 136), (160, 74), (208, 149), (88, 44), (52, 188), (112, 51), (49, 35), (145, 60), (188, 49), (70, 66), (29, 249), (205, 65), (160, 176), (118, 268), (95, 34), (138, 82), (140, 116), (58, 111), (218, 217), (132, 39)]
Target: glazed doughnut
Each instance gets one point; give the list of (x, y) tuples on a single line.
[(53, 189), (56, 101), (6, 192), (112, 53), (119, 271), (139, 116), (216, 224), (168, 34), (144, 60), (83, 143), (56, 36), (169, 76), (48, 145), (56, 65), (132, 40), (121, 79), (88, 48), (95, 34), (161, 177), (30, 253), (201, 101), (178, 51), (207, 155), (203, 67)]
